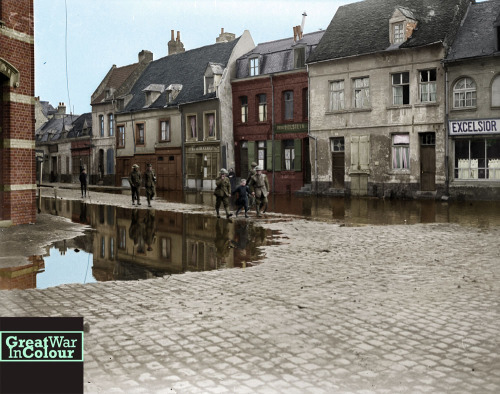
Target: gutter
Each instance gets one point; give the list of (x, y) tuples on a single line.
[(309, 130)]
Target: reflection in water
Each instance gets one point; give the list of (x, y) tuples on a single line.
[(130, 244), (24, 277)]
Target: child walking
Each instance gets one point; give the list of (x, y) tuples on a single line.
[(242, 201)]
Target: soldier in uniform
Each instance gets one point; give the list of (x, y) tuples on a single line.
[(222, 192), (149, 183), (251, 173), (135, 183), (259, 187)]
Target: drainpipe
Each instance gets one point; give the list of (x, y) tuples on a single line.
[(309, 131), (446, 128), (272, 125)]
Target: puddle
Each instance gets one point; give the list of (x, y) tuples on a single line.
[(131, 244)]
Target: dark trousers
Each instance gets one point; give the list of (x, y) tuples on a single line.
[(135, 194), (84, 188)]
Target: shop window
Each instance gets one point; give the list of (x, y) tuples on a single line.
[(164, 130), (477, 159), (427, 86), (288, 99), (121, 136), (464, 93), (401, 88), (262, 107), (337, 95), (361, 92), (401, 151), (244, 109)]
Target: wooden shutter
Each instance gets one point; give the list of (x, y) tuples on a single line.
[(277, 155), (251, 151), (360, 153), (297, 166), (269, 155)]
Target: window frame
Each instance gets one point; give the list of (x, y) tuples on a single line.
[(206, 135), (288, 105), (398, 37), (244, 109), (288, 145), (365, 98), (261, 146), (464, 91), (335, 91), (120, 136), (254, 66), (402, 87), (111, 121), (478, 168), (168, 131), (101, 125), (495, 84), (427, 84), (299, 57), (262, 107), (189, 131), (399, 165), (138, 127)]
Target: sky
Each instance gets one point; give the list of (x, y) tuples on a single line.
[(78, 41)]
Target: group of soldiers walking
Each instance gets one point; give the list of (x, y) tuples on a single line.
[(135, 180), (252, 191)]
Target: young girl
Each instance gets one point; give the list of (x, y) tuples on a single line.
[(242, 200)]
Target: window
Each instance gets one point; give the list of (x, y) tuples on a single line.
[(401, 88), (401, 151), (209, 85), (495, 92), (111, 248), (111, 125), (361, 92), (338, 144), (261, 154), (101, 125), (121, 136), (209, 126), (299, 57), (192, 130), (288, 97), (464, 93), (289, 154), (477, 159), (398, 33), (305, 103), (428, 86), (244, 109), (336, 95), (165, 130), (139, 134), (262, 107), (165, 245), (103, 247), (254, 66)]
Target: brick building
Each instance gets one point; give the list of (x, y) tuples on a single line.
[(270, 111), (17, 114)]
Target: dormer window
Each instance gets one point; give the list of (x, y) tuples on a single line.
[(173, 91), (152, 92), (213, 77), (401, 25), (299, 57), (209, 81), (398, 33), (254, 66)]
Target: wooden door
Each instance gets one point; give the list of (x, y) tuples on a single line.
[(427, 162)]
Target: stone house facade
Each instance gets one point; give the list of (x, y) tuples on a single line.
[(473, 91), (378, 98)]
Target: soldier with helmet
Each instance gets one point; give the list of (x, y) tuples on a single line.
[(259, 187), (251, 173), (222, 192), (135, 183)]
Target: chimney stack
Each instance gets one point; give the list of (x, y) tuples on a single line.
[(175, 45), (145, 56), (225, 37)]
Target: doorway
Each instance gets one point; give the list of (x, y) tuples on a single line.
[(338, 162), (428, 161)]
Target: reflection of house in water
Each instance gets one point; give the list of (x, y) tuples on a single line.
[(23, 277)]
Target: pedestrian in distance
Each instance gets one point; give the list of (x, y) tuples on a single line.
[(222, 192), (135, 183), (149, 183), (242, 200), (83, 182), (251, 173), (259, 187)]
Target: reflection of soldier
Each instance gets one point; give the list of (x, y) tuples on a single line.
[(242, 235), (222, 241), (136, 231), (149, 229), (83, 213)]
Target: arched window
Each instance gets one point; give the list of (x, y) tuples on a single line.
[(495, 92), (464, 93)]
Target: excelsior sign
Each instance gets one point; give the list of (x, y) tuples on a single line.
[(476, 126)]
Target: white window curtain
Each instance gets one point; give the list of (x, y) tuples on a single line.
[(400, 151), (211, 129), (192, 121)]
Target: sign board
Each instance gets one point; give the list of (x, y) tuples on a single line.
[(474, 127), (291, 128), (39, 155)]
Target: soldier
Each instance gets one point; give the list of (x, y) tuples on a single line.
[(251, 173), (135, 183), (259, 187), (149, 183), (222, 192)]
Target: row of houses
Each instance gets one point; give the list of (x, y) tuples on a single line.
[(396, 98)]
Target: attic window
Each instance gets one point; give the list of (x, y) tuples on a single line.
[(209, 81), (401, 25), (299, 57), (398, 33), (254, 66)]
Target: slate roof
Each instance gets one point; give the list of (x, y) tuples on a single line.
[(82, 126), (54, 129), (363, 27), (477, 36), (276, 56), (118, 75), (186, 69)]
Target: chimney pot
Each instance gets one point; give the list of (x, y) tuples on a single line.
[(221, 30), (172, 35), (178, 35)]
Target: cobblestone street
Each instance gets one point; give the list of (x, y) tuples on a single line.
[(333, 309)]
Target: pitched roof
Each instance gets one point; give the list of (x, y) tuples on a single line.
[(81, 126), (363, 27), (54, 128), (117, 76), (477, 35), (277, 56), (186, 69)]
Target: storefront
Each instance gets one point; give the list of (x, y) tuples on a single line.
[(475, 158)]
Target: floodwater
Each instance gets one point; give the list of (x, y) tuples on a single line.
[(132, 244)]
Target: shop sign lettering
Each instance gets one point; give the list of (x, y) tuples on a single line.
[(476, 126)]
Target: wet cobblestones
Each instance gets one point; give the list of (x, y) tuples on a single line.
[(332, 309)]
